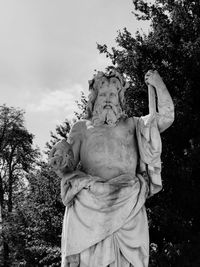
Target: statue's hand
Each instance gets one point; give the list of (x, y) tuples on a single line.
[(153, 78), (61, 158)]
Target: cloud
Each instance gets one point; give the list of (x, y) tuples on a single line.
[(48, 108), (48, 53), (57, 100)]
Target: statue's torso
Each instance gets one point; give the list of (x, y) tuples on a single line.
[(109, 151)]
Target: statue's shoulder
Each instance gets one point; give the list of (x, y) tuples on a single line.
[(79, 125), (131, 122), (78, 129)]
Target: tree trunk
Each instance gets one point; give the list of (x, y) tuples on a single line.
[(4, 250), (10, 183), (1, 224)]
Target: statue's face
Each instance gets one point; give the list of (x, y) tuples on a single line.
[(108, 93), (107, 109)]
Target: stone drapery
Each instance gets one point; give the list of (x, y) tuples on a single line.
[(105, 223)]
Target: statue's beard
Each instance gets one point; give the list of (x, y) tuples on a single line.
[(104, 115)]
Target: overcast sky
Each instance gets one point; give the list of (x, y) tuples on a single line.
[(48, 53)]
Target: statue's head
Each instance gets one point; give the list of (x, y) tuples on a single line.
[(106, 98)]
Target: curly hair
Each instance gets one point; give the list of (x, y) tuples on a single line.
[(94, 88)]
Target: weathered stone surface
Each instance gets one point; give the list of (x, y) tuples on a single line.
[(105, 222)]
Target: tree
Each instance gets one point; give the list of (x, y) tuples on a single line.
[(82, 106), (39, 220), (39, 214), (62, 132), (16, 159), (173, 48), (7, 117)]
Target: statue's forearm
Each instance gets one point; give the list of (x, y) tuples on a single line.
[(165, 107), (76, 146), (73, 183)]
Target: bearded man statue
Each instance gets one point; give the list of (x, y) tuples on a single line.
[(108, 109), (105, 222)]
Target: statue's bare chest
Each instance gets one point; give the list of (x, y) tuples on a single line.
[(109, 147), (111, 140)]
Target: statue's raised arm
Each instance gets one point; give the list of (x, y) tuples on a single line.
[(165, 106)]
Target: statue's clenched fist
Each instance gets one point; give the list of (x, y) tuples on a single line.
[(153, 78), (61, 158)]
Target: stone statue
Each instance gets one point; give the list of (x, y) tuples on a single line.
[(105, 222)]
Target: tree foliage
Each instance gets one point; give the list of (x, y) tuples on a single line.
[(172, 46), (17, 157), (35, 235), (62, 132), (82, 107), (38, 219)]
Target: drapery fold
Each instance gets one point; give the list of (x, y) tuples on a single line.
[(150, 148), (106, 219)]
